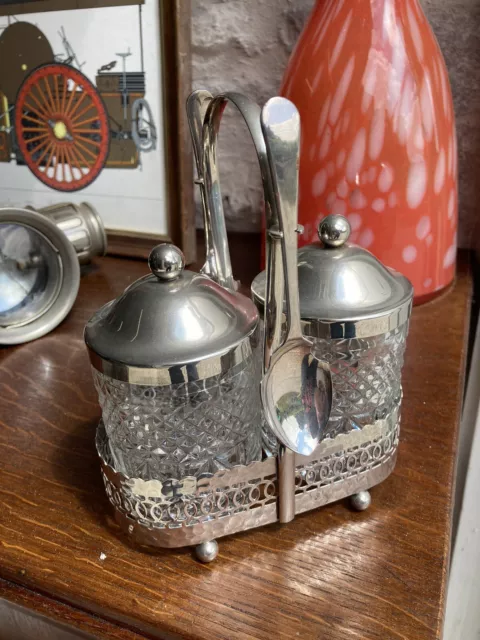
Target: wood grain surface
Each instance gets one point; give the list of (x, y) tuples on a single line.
[(331, 574), (27, 614)]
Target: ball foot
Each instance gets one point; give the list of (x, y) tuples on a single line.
[(207, 551), (361, 501)]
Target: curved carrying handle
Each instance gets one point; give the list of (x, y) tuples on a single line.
[(204, 116), (202, 106)]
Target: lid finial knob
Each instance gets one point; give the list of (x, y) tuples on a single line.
[(166, 261), (334, 230)]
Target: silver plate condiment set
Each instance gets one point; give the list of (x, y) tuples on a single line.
[(220, 414)]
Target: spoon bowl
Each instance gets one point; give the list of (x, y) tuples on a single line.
[(297, 396)]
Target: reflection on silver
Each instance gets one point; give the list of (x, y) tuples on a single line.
[(166, 261), (302, 400), (334, 230), (23, 269)]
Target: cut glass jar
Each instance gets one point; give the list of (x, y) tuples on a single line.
[(356, 312), (175, 375)]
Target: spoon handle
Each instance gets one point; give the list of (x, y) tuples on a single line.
[(281, 128)]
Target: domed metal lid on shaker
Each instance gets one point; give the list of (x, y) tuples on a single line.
[(345, 292), (171, 317)]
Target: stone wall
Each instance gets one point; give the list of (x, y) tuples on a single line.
[(245, 44)]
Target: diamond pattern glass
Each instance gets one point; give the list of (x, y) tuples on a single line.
[(184, 429), (366, 378)]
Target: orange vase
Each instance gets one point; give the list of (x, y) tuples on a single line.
[(378, 134)]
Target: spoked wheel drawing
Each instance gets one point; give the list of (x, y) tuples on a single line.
[(61, 127)]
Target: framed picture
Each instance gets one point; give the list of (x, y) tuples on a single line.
[(92, 108)]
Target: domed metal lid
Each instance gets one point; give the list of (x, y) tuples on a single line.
[(344, 290), (167, 318)]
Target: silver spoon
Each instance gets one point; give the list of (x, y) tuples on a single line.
[(297, 388)]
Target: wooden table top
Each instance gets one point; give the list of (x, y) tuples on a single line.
[(331, 574)]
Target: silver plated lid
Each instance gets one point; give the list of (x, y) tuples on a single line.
[(345, 291), (171, 317)]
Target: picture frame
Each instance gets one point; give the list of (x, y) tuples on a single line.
[(176, 200)]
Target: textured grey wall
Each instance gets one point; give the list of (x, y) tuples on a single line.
[(245, 45)]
